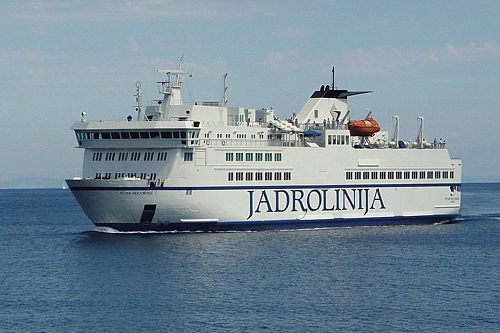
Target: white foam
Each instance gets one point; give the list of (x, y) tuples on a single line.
[(108, 230)]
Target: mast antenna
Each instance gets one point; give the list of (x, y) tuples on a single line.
[(333, 77), (224, 89), (395, 138), (138, 99)]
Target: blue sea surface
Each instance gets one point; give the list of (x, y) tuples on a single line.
[(59, 275)]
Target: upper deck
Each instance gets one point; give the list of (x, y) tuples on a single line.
[(169, 123)]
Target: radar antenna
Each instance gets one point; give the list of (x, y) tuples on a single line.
[(171, 87)]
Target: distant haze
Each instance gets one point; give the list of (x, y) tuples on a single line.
[(437, 59)]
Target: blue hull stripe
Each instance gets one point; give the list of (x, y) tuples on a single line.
[(239, 187), (280, 224)]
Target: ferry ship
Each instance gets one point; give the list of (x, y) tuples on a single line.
[(207, 166)]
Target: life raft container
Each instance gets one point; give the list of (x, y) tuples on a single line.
[(365, 127)]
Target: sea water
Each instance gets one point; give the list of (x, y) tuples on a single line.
[(58, 273)]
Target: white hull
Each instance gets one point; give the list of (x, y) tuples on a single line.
[(249, 208)]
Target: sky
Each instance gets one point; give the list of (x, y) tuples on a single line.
[(438, 59)]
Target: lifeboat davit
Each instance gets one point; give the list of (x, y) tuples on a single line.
[(365, 127)]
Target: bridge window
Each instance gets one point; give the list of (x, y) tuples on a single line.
[(258, 176), (277, 157), (239, 176), (269, 176), (154, 135), (249, 176), (239, 156), (348, 175), (421, 175), (188, 156), (382, 174), (277, 176), (229, 157), (134, 135), (269, 157), (125, 135), (230, 176), (258, 157), (287, 176), (430, 175), (249, 156)]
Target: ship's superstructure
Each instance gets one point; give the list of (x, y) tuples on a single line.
[(209, 166)]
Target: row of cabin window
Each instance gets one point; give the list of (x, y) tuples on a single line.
[(134, 156), (399, 175), (338, 139), (258, 176), (250, 157), (244, 136), (137, 135), (118, 175), (238, 136), (219, 135)]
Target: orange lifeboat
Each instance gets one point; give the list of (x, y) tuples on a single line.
[(365, 127)]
